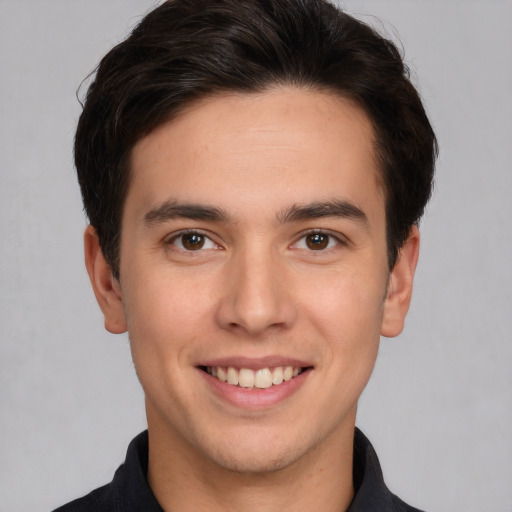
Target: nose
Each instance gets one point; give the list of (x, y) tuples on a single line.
[(257, 295)]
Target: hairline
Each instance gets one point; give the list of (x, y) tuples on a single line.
[(196, 101)]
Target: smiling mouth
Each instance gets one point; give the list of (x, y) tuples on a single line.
[(257, 379)]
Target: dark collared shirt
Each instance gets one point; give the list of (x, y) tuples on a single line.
[(129, 491)]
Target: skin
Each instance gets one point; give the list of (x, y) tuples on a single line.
[(255, 289)]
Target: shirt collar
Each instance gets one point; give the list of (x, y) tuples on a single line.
[(371, 491)]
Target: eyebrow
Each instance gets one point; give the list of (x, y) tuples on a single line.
[(170, 210), (334, 208)]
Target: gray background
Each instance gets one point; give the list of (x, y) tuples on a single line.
[(438, 407)]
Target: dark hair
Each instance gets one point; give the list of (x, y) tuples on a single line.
[(186, 49)]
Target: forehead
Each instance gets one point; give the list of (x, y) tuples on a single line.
[(246, 150)]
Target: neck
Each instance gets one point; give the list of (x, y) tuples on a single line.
[(185, 480)]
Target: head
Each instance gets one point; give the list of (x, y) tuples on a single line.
[(190, 49), (253, 171)]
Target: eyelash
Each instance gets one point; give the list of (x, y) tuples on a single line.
[(339, 241), (207, 239), (177, 236)]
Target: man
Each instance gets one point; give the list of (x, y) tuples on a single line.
[(253, 172)]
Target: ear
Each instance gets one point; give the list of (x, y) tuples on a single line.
[(106, 288), (399, 291)]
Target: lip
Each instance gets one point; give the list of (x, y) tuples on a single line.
[(255, 399), (256, 363)]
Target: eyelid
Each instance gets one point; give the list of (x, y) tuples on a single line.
[(340, 239), (171, 238)]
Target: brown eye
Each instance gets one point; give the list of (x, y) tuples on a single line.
[(192, 241), (317, 241)]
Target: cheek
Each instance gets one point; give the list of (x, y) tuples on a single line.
[(166, 323), (348, 315), (164, 314), (347, 301)]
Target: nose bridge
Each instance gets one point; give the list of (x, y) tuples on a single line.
[(256, 297)]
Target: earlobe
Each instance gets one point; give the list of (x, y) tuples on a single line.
[(106, 288), (400, 284)]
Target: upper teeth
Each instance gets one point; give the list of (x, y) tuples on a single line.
[(247, 378)]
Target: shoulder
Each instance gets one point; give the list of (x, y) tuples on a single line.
[(99, 499), (129, 489), (371, 492), (401, 506)]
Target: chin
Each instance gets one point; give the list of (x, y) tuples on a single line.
[(253, 452), (254, 462)]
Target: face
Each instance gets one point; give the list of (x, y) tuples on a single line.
[(253, 277)]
